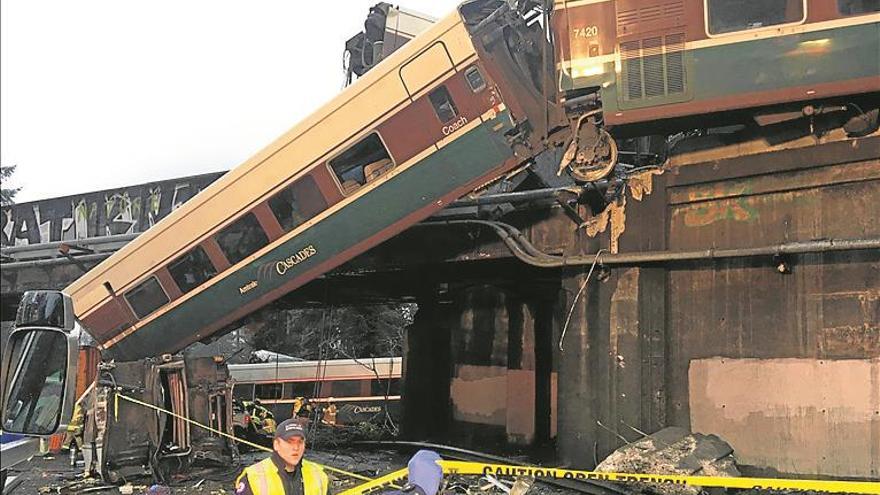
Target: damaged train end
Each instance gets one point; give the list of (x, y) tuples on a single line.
[(134, 435)]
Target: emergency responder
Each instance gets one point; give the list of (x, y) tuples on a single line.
[(302, 407), (73, 438), (285, 472), (328, 417), (261, 419), (298, 404), (424, 475)]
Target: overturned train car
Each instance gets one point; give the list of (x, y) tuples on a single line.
[(136, 440)]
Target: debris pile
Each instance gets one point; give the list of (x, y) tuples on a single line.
[(672, 450)]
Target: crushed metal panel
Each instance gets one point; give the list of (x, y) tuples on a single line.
[(794, 415)]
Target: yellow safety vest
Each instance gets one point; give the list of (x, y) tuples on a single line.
[(265, 480)]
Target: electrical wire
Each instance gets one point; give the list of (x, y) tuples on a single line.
[(577, 296)]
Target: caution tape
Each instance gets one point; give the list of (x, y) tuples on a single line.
[(223, 433), (396, 479), (480, 469)]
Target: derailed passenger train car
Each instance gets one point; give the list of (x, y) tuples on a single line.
[(457, 106)]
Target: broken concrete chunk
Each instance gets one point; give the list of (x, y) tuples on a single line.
[(672, 450)]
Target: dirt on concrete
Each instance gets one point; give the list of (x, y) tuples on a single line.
[(52, 474)]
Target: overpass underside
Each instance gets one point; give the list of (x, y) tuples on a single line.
[(776, 350), (779, 354)]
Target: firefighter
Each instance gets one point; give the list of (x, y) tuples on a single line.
[(261, 418), (298, 404), (329, 415), (73, 436), (285, 472)]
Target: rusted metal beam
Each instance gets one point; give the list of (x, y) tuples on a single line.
[(772, 162), (555, 193), (525, 251)]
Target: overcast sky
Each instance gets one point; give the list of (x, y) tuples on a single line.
[(96, 94)]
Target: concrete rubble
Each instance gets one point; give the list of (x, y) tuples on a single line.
[(672, 450)]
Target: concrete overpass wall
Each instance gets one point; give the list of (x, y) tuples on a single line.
[(779, 356)]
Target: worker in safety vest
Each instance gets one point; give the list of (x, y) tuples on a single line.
[(298, 404), (329, 414), (285, 472)]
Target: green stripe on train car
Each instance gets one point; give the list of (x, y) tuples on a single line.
[(769, 64)]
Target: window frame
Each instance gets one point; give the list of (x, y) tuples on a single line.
[(474, 68), (279, 386), (180, 259), (800, 21), (240, 386), (308, 175), (216, 235), (351, 144), (138, 285), (847, 16), (344, 384), (456, 112)]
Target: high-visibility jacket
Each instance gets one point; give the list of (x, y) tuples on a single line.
[(264, 479)]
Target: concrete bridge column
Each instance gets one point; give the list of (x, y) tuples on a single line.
[(576, 422), (427, 371)]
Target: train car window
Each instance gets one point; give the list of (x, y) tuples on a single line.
[(443, 104), (242, 238), (381, 387), (475, 79), (727, 16), (192, 269), (364, 162), (293, 390), (346, 388), (297, 203), (267, 391), (146, 297), (856, 7), (243, 391)]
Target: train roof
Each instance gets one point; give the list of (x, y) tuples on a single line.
[(334, 369)]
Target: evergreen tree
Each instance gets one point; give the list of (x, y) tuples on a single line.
[(7, 194)]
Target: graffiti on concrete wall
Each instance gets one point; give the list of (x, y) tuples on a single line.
[(125, 210)]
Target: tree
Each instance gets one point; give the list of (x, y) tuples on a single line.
[(348, 332), (7, 194)]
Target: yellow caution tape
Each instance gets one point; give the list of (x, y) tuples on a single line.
[(476, 468), (396, 479), (391, 480), (224, 434)]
